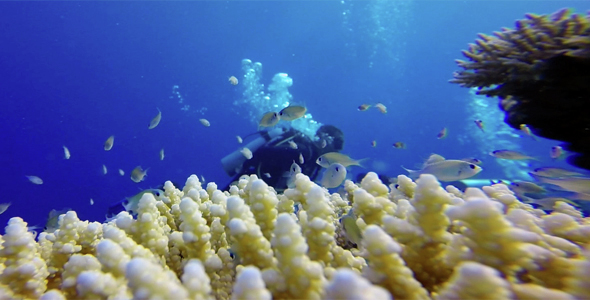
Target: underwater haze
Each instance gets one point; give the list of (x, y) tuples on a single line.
[(76, 73)]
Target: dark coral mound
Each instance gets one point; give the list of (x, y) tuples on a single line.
[(540, 71)]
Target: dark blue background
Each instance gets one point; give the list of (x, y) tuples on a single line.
[(74, 73)]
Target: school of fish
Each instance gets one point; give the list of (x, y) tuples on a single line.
[(549, 185)]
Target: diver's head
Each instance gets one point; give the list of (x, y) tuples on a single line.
[(333, 136)]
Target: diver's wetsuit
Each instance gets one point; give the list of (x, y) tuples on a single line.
[(276, 156)]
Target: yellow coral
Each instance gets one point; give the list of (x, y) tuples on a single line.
[(386, 267), (191, 243), (303, 278), (24, 272), (472, 280), (317, 223), (248, 243), (249, 285)]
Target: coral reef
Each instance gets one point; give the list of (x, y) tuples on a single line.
[(419, 241), (540, 71)]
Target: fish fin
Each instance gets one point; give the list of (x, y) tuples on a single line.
[(411, 173), (361, 162), (579, 197)]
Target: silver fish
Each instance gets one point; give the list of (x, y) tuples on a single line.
[(333, 176), (4, 207), (34, 179), (330, 158), (156, 120), (108, 144), (447, 170), (509, 154), (522, 187), (572, 184), (554, 172), (205, 122), (66, 153)]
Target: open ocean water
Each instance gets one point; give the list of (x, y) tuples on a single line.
[(75, 73)]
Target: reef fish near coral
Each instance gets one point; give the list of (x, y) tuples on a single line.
[(333, 176), (448, 170), (325, 160)]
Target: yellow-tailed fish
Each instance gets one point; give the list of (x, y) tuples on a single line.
[(104, 170), (554, 172), (374, 143), (363, 107), (91, 201), (131, 204), (301, 160), (381, 107), (4, 207), (205, 122), (233, 80), (480, 124), (556, 152), (447, 170), (333, 176), (269, 119), (399, 145), (108, 144), (66, 152), (510, 155), (162, 154), (442, 134), (267, 175), (52, 223), (156, 120), (34, 179), (138, 174), (292, 144), (121, 172), (351, 229), (247, 153), (291, 113), (329, 158), (239, 138), (527, 131)]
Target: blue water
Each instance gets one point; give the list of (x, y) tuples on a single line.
[(75, 73)]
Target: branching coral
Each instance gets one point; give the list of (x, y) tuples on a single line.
[(540, 70), (419, 241)]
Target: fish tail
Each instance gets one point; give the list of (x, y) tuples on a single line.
[(412, 173), (361, 162)]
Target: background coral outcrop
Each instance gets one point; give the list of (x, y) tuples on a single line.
[(540, 72)]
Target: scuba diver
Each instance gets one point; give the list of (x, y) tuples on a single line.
[(275, 151)]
